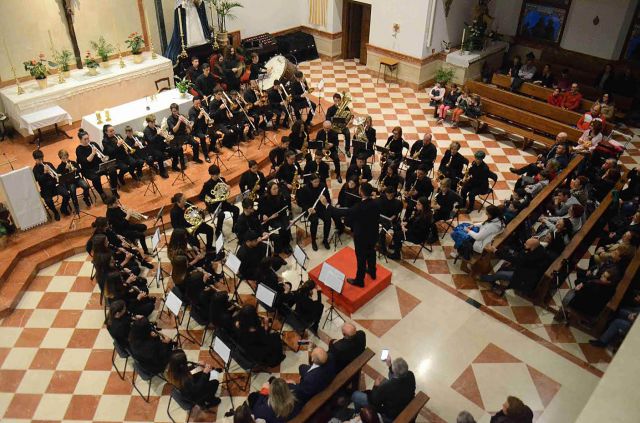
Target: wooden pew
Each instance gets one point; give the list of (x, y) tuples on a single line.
[(533, 90), (530, 126), (315, 410), (530, 105), (411, 411), (481, 264), (576, 248)]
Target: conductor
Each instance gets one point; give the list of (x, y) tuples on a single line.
[(362, 216)]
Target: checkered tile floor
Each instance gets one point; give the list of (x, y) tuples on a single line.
[(55, 355)]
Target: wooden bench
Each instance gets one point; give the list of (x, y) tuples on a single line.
[(411, 411), (316, 409), (533, 90), (481, 263), (576, 248), (539, 128)]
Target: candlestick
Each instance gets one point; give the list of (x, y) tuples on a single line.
[(13, 70), (107, 116), (146, 22), (183, 53), (98, 118), (122, 65), (464, 31)]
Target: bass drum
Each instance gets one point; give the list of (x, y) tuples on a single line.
[(278, 67)]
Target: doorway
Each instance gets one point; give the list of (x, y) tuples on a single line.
[(356, 21)]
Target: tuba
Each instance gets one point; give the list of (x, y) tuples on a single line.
[(343, 114), (194, 217), (219, 193)]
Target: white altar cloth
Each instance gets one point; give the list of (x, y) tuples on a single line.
[(134, 112), (465, 60), (43, 118), (82, 94)]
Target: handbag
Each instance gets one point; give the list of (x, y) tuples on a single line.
[(459, 233)]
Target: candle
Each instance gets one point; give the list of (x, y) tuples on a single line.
[(464, 31), (51, 40)]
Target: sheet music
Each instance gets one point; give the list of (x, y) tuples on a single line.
[(220, 348), (233, 263), (265, 295), (331, 277), (299, 255), (213, 375), (173, 303), (155, 239), (220, 243)]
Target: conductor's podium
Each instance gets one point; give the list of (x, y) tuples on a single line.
[(352, 298)]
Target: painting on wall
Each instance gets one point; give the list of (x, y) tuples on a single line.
[(543, 20)]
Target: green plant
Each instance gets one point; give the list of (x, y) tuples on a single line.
[(183, 85), (135, 43), (90, 61), (102, 48), (37, 67), (223, 11), (444, 76), (63, 58)]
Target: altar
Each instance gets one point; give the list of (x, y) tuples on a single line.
[(81, 94), (468, 64)]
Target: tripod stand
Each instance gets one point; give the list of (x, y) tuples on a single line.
[(237, 152), (265, 138), (77, 216), (217, 161), (333, 311), (151, 185), (183, 177), (335, 239)]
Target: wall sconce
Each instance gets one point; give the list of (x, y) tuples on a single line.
[(396, 29)]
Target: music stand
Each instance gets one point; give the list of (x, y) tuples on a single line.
[(264, 139), (335, 238), (320, 95), (159, 277), (334, 280), (159, 218), (221, 349), (106, 167), (151, 185), (267, 297), (237, 152), (217, 161), (300, 256), (66, 180), (174, 304), (233, 263), (183, 177)]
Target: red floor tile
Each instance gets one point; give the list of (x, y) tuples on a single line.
[(82, 407), (67, 319), (17, 318), (83, 338), (52, 300), (99, 360), (63, 382), (31, 337), (22, 406), (46, 359), (10, 380)]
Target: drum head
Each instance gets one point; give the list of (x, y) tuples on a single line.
[(275, 68)]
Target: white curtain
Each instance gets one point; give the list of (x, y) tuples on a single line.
[(318, 12)]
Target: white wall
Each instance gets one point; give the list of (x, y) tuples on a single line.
[(450, 28), (506, 14)]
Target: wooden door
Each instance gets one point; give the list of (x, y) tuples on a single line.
[(364, 32), (356, 22)]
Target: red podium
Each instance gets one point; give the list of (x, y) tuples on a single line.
[(352, 298)]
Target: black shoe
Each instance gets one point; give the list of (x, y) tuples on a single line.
[(354, 282), (513, 170), (197, 161), (214, 402), (325, 242), (146, 264), (56, 215), (314, 245), (175, 167), (597, 343), (394, 256), (372, 274), (207, 159), (87, 201), (339, 179), (164, 174), (65, 211)]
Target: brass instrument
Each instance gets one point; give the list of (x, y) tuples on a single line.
[(130, 150), (194, 217), (219, 193), (254, 191), (99, 153), (188, 123), (305, 144), (415, 155), (207, 118), (295, 183), (439, 173), (70, 167), (343, 114), (464, 180), (137, 141), (163, 131), (134, 214), (51, 172)]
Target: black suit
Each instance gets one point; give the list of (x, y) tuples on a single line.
[(345, 350), (393, 395), (313, 381), (362, 217), (331, 137), (452, 167)]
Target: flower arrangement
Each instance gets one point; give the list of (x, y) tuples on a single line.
[(37, 67), (102, 48), (135, 43), (475, 35), (90, 62), (183, 85), (63, 58)]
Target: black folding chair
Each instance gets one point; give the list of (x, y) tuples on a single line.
[(122, 353), (183, 402)]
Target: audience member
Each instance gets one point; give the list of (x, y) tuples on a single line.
[(605, 78), (571, 99), (564, 81), (555, 98), (345, 350), (584, 123), (545, 78), (315, 377), (277, 405), (525, 73), (513, 411), (479, 236), (607, 106), (620, 326)]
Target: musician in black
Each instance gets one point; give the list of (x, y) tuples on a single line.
[(390, 179), (452, 164), (157, 147), (137, 147), (307, 198), (119, 219), (200, 130), (213, 204), (89, 156), (298, 136), (47, 178), (446, 200), (233, 67), (114, 147), (317, 166), (222, 115), (369, 138), (69, 166), (360, 169), (248, 221), (251, 253), (205, 83), (178, 221), (194, 71), (244, 122), (286, 174), (390, 209), (416, 186), (330, 142), (278, 105), (417, 229), (273, 211), (278, 153), (180, 127), (477, 182), (250, 178), (395, 143), (331, 112), (363, 217), (300, 97), (425, 152), (256, 68), (348, 196), (256, 103)]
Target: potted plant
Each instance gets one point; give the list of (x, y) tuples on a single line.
[(444, 76), (183, 85), (223, 11), (63, 58), (91, 64), (102, 49), (135, 43), (38, 69)]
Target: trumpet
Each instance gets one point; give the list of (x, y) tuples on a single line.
[(99, 153), (163, 131), (51, 171), (187, 123), (207, 118), (137, 141), (134, 214), (127, 147), (70, 167)]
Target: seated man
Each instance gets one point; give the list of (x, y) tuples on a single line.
[(251, 253), (45, 174), (571, 99), (446, 200), (345, 350), (389, 397), (524, 271), (620, 325), (315, 377)]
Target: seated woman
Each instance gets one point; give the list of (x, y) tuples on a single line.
[(516, 203), (198, 290), (308, 309), (416, 230), (195, 387), (478, 236), (446, 199), (120, 246), (607, 106), (389, 179), (133, 291), (591, 296), (275, 403), (590, 138), (221, 310), (626, 245), (584, 123), (575, 215), (269, 277), (555, 98), (149, 347), (558, 236), (436, 94), (253, 336), (450, 101), (119, 323)]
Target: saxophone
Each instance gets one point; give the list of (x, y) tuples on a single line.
[(254, 192), (295, 183)]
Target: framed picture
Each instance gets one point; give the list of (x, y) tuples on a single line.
[(631, 50), (543, 21)]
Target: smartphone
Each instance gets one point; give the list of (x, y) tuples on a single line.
[(304, 342), (384, 355)]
